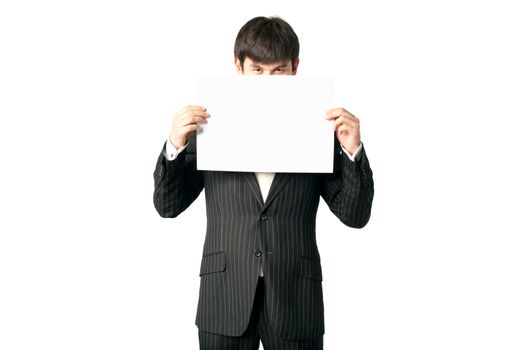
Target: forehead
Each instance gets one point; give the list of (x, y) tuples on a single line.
[(249, 62)]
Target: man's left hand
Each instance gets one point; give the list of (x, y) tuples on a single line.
[(346, 127)]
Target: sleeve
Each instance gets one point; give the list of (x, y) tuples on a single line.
[(171, 152), (357, 153), (177, 182), (349, 190)]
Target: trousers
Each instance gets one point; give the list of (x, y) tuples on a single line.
[(259, 330)]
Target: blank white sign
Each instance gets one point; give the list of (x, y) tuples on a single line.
[(266, 124)]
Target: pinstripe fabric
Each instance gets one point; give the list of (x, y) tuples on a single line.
[(259, 330), (279, 233)]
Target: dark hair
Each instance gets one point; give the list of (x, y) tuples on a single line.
[(266, 40)]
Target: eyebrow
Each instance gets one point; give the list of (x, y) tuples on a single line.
[(258, 66)]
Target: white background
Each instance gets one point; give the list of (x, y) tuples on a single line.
[(88, 91)]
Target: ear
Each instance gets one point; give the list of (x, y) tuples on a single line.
[(238, 66), (295, 65)]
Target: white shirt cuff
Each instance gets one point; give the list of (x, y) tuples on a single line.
[(354, 156), (171, 152)]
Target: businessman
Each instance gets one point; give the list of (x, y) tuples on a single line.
[(260, 274)]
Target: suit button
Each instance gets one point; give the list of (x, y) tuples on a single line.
[(265, 217), (258, 253)]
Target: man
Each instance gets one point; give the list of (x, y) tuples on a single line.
[(260, 270)]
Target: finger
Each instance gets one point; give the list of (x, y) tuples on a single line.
[(353, 117), (332, 116), (335, 112), (338, 125), (342, 129), (189, 110), (194, 117), (186, 114), (193, 120), (335, 116), (190, 115), (189, 128), (203, 114), (345, 126), (337, 122), (199, 120), (343, 120)]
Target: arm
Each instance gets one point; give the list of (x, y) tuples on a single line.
[(177, 182), (349, 190)]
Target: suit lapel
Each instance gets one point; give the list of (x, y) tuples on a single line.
[(278, 183), (254, 186)]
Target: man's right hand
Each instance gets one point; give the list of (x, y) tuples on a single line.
[(185, 122)]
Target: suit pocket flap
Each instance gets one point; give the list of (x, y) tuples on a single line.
[(310, 268), (213, 262)]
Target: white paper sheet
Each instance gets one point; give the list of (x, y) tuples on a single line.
[(266, 124)]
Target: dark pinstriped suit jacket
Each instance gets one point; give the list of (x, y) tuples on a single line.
[(243, 232)]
